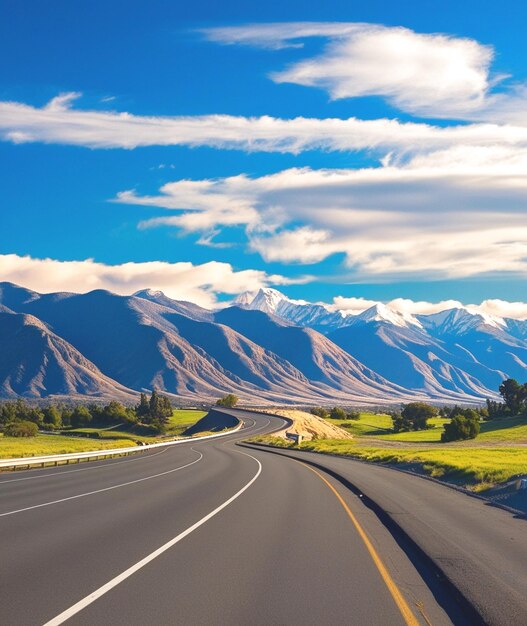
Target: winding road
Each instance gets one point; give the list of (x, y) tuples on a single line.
[(218, 533)]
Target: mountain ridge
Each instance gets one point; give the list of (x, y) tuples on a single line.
[(145, 340)]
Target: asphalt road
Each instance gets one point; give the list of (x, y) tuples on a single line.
[(212, 533)]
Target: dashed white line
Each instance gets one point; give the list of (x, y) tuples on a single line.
[(91, 493)]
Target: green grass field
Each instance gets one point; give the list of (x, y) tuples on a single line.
[(475, 468), (494, 457), (182, 419), (11, 447), (501, 431), (107, 438)]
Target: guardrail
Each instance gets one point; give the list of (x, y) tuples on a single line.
[(56, 459)]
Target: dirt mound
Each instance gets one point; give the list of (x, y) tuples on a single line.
[(309, 426)]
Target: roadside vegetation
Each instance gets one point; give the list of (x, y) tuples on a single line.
[(477, 447), (229, 401), (60, 428), (476, 468), (11, 447)]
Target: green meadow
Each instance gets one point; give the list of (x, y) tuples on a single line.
[(85, 439), (494, 457)]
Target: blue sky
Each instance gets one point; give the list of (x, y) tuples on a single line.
[(400, 209)]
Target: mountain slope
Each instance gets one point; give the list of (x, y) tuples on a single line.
[(143, 344), (85, 343), (416, 361), (319, 359), (35, 363), (488, 340)]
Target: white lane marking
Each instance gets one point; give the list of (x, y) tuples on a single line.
[(91, 493), (85, 469), (252, 431), (82, 604)]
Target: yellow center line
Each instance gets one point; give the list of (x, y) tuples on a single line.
[(399, 600)]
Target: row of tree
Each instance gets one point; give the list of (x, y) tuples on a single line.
[(514, 402), (464, 422), (150, 415), (336, 413)]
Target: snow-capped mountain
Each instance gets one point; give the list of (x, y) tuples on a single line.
[(460, 320), (456, 351), (267, 348), (297, 312), (383, 313)]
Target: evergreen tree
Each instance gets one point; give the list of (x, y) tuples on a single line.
[(143, 408), (514, 395)]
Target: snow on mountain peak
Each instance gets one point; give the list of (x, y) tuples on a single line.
[(383, 313), (245, 298), (461, 319), (149, 293), (268, 300)]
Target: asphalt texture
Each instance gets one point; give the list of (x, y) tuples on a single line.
[(218, 533)]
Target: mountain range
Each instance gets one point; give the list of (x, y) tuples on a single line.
[(265, 348)]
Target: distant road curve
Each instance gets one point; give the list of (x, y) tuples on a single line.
[(210, 533)]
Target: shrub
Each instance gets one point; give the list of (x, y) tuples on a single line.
[(353, 415), (414, 416), (229, 401), (461, 427), (337, 413), (23, 428), (320, 411)]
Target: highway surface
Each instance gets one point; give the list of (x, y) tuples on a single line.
[(218, 533)]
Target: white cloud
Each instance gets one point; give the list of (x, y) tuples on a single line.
[(502, 308), (181, 281), (435, 75), (452, 213), (405, 306), (58, 122), (351, 306), (201, 284)]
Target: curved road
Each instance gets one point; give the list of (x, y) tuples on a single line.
[(205, 533)]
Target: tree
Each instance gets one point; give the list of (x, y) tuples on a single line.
[(143, 408), (337, 413), (320, 411), (160, 407), (23, 428), (229, 401), (514, 395), (414, 416), (495, 409), (52, 417), (462, 427), (115, 413), (80, 416), (7, 412), (353, 415)]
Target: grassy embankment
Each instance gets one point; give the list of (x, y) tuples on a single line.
[(107, 438), (496, 456)]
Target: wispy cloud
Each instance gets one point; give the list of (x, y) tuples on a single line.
[(452, 213), (183, 281), (432, 75), (59, 123)]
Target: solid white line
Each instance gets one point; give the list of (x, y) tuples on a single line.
[(82, 604), (84, 469), (91, 493)]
